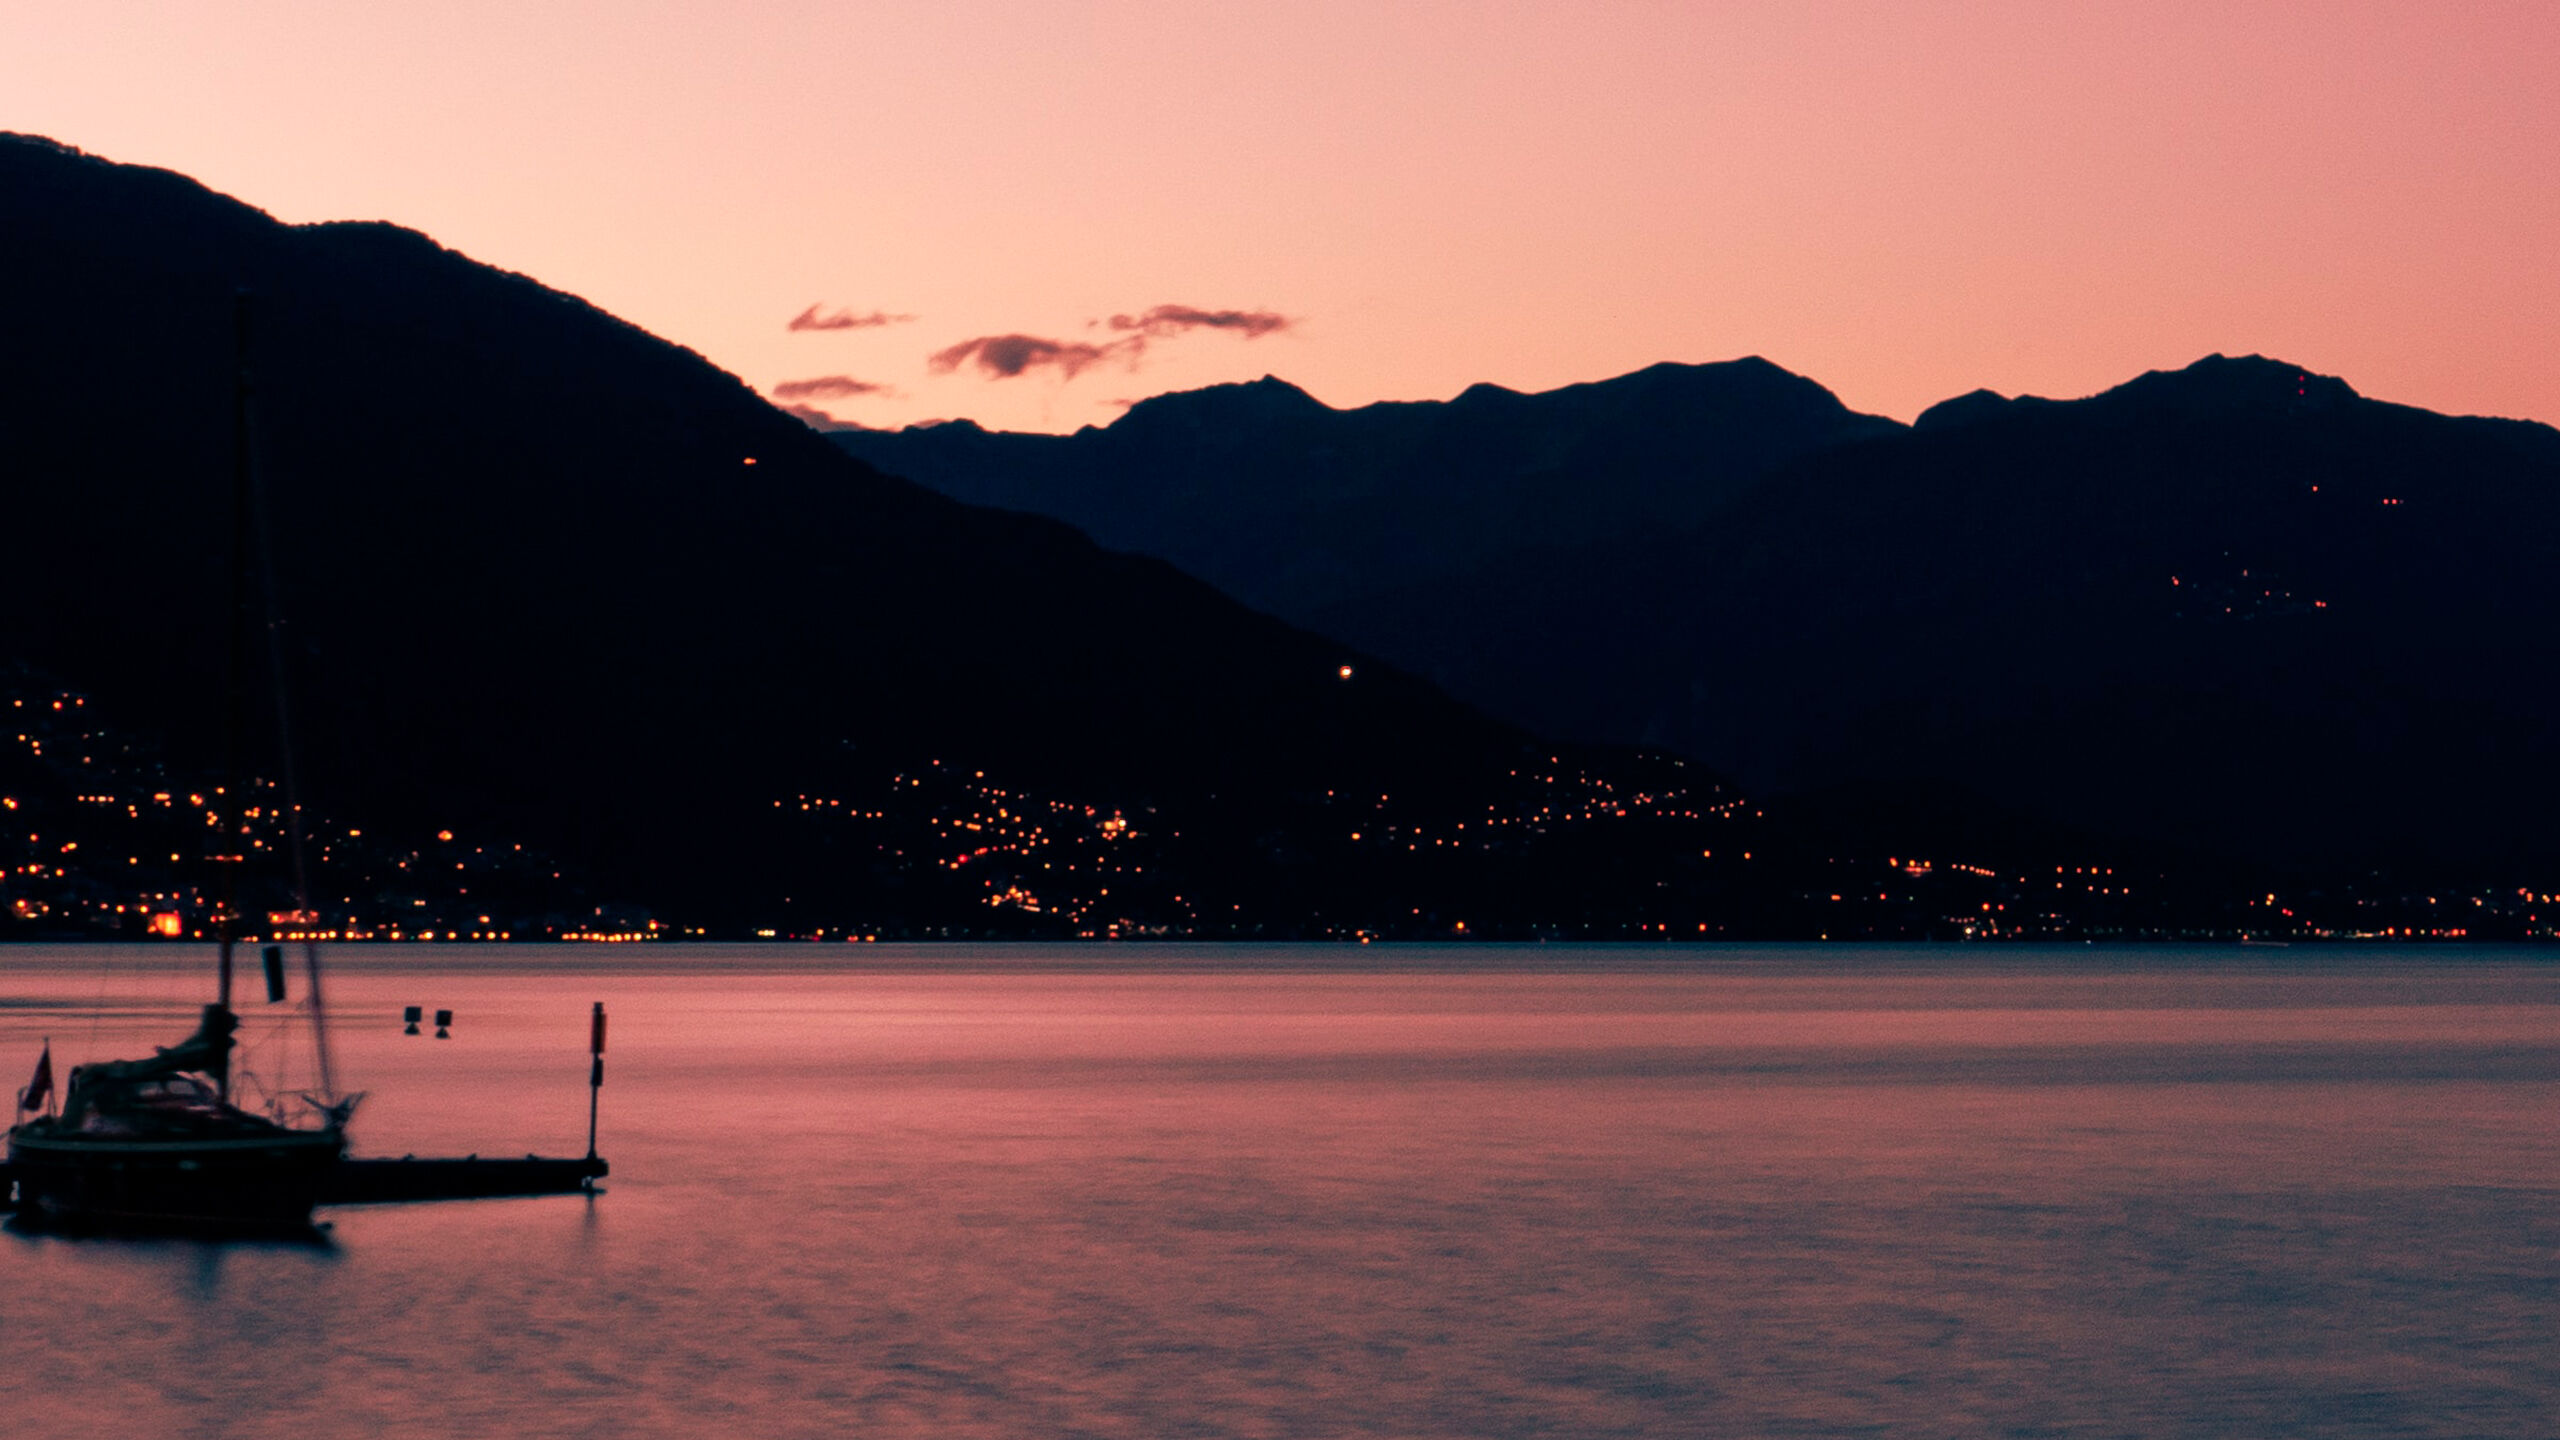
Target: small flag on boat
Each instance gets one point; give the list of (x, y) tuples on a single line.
[(40, 1089)]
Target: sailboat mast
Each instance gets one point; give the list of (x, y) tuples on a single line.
[(235, 669), (296, 834)]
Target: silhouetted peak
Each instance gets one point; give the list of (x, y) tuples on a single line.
[(1746, 368), (2214, 385), (1750, 381), (1751, 371), (1251, 402), (1977, 406), (38, 164), (2222, 384), (372, 235), (47, 143)]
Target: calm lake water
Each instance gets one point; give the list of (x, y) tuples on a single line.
[(1282, 1192)]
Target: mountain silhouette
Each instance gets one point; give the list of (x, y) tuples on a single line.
[(547, 578), (546, 575), (2235, 610), (1301, 509)]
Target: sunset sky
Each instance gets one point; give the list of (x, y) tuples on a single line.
[(1904, 199)]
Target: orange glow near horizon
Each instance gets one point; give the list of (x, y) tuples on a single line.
[(1904, 199)]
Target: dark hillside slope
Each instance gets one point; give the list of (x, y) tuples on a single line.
[(2236, 608), (533, 581)]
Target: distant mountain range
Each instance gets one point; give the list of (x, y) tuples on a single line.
[(2234, 611), (1304, 510), (546, 580)]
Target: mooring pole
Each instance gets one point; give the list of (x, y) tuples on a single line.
[(595, 1074)]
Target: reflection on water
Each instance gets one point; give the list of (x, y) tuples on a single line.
[(1284, 1192)]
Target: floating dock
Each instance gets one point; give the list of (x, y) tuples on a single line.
[(346, 1179), (382, 1182), (386, 1182)]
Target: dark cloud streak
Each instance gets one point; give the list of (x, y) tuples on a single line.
[(1165, 321), (1006, 357), (828, 387), (1003, 357), (810, 319)]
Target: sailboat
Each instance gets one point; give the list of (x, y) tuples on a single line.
[(159, 1142), (155, 1142)]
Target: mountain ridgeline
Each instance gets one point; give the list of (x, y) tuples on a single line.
[(2235, 612), (1306, 511), (581, 625)]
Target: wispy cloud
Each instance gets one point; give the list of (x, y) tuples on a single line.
[(1002, 357), (810, 319), (828, 387), (1166, 321)]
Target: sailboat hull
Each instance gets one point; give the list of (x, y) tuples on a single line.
[(266, 1182)]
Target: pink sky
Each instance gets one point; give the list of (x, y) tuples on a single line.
[(1901, 198)]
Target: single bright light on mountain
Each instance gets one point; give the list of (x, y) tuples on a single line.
[(1344, 672), (751, 460)]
